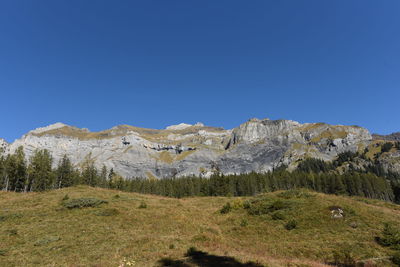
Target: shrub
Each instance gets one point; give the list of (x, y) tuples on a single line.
[(237, 204), (396, 258), (244, 223), (292, 224), (278, 205), (386, 147), (78, 203), (344, 257), (3, 252), (142, 205), (265, 206), (226, 208), (66, 197), (390, 236), (191, 251), (246, 204), (278, 216), (116, 196)]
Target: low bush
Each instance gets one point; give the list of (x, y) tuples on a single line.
[(278, 205), (226, 208), (246, 204), (278, 216), (244, 223), (265, 206), (142, 205), (290, 225), (78, 203), (237, 204), (396, 258), (390, 236), (386, 147), (344, 257)]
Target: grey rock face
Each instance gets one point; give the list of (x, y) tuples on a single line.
[(389, 137), (184, 149), (3, 144)]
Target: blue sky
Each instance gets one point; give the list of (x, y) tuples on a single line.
[(97, 64)]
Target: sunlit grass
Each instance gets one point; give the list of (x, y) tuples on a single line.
[(36, 229)]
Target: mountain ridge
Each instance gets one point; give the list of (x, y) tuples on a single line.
[(258, 145)]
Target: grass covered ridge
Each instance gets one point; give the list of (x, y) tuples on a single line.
[(145, 230)]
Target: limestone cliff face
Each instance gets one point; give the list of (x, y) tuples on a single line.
[(257, 130), (3, 144), (184, 149)]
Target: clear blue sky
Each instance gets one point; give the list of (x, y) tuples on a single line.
[(97, 64)]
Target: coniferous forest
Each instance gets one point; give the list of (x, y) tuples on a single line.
[(372, 181)]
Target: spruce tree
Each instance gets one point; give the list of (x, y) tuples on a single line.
[(3, 173), (16, 171), (89, 174), (65, 173), (41, 177), (103, 177)]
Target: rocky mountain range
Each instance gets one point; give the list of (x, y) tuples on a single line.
[(185, 149), (389, 137)]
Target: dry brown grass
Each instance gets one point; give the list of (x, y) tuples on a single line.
[(37, 231), (121, 130)]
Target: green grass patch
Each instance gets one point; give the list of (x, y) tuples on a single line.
[(79, 203)]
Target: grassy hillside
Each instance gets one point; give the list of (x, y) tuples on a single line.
[(131, 229)]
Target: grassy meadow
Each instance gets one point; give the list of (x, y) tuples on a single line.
[(285, 228)]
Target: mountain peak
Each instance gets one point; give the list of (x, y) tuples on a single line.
[(53, 126), (182, 126)]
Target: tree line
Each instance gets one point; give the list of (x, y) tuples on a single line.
[(37, 174)]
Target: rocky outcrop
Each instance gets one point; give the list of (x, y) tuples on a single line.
[(256, 130), (184, 149), (3, 145), (389, 137)]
